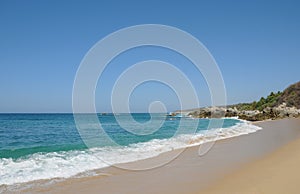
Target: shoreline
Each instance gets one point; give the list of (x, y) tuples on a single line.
[(94, 160), (188, 170)]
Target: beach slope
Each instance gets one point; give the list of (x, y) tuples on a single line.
[(277, 172), (261, 162)]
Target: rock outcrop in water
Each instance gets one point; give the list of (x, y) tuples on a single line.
[(276, 105)]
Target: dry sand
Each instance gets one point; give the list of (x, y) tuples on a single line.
[(277, 172), (262, 162)]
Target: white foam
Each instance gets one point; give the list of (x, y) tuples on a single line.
[(66, 164)]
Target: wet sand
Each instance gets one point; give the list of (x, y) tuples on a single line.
[(243, 164)]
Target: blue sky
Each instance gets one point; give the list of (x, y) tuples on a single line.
[(256, 45)]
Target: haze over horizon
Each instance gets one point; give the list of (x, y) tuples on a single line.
[(255, 44)]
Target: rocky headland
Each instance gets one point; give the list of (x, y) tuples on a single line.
[(275, 106)]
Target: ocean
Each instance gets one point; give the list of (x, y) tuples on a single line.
[(48, 146)]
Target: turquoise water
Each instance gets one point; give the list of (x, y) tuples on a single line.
[(23, 134), (34, 146)]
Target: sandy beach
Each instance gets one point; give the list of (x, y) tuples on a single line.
[(149, 97), (277, 172), (261, 162)]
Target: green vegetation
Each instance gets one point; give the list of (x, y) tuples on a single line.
[(290, 96), (270, 101)]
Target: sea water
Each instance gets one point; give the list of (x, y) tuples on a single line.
[(47, 146)]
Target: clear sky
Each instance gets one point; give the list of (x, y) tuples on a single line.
[(255, 43)]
